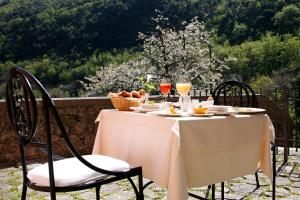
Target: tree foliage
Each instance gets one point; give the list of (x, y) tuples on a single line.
[(166, 52), (288, 19), (272, 53), (236, 21), (63, 41), (69, 28), (77, 28)]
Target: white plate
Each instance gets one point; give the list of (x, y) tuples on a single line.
[(202, 115), (165, 113), (244, 110), (220, 108), (154, 106), (142, 110), (223, 113)]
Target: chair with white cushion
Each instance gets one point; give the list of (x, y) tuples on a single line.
[(62, 175)]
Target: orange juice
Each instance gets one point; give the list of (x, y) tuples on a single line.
[(183, 88)]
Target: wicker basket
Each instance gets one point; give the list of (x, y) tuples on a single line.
[(123, 104)]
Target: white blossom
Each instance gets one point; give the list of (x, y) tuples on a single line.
[(166, 52)]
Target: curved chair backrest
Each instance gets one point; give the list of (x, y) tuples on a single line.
[(235, 93), (23, 115)]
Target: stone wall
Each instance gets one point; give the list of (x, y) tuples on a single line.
[(78, 116)]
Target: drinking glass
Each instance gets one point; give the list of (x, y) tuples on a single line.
[(183, 86), (195, 103), (165, 87)]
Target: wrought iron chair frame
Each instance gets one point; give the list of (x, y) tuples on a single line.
[(23, 115), (245, 93)]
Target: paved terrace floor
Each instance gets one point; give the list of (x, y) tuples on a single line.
[(288, 186)]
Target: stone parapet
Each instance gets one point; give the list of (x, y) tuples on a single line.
[(78, 116)]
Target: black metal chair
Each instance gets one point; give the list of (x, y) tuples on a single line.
[(236, 93), (63, 175)]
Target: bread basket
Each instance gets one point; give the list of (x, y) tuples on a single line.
[(123, 104)]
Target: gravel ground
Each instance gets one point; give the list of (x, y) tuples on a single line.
[(287, 187)]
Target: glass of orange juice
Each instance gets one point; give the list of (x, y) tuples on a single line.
[(183, 86)]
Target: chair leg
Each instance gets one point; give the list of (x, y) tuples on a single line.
[(274, 173), (147, 184), (98, 192), (257, 180), (222, 190), (141, 188), (213, 191), (53, 195), (24, 191), (207, 191)]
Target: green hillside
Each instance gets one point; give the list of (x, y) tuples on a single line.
[(62, 41)]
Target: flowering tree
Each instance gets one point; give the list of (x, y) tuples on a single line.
[(167, 52), (126, 76), (182, 51)]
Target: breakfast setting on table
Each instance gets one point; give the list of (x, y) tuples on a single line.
[(137, 101), (186, 143)]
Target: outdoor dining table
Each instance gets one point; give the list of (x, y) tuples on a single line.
[(178, 153)]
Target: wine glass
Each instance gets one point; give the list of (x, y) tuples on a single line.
[(183, 86), (165, 87)]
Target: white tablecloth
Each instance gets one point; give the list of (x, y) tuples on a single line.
[(181, 152)]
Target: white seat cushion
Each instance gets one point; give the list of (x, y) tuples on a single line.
[(71, 171)]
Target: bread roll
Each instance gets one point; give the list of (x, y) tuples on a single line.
[(124, 94), (142, 92), (135, 94)]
